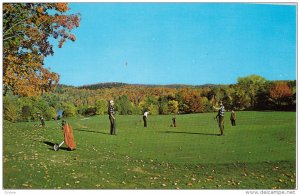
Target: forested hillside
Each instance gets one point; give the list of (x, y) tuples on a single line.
[(249, 93)]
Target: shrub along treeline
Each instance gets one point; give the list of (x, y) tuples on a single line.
[(249, 93)]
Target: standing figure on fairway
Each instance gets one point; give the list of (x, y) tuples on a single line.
[(174, 121), (145, 118), (232, 118), (220, 116), (41, 119), (63, 122), (112, 119)]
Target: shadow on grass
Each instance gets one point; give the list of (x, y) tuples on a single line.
[(52, 144), (84, 130), (192, 133)]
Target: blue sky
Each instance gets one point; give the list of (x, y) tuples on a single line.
[(182, 43)]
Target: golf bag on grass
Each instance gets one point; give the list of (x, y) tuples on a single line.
[(68, 138)]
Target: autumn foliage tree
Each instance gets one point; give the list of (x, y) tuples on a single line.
[(27, 28), (280, 92)]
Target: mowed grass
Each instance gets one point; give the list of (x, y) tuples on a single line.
[(258, 153)]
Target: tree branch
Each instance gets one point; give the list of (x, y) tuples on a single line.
[(13, 36), (14, 26)]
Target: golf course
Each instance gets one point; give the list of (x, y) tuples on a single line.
[(258, 153)]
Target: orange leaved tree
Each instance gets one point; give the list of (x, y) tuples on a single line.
[(27, 28), (280, 92)]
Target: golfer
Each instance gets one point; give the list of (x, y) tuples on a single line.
[(63, 122), (174, 121), (145, 116), (220, 116), (232, 118), (41, 120), (112, 119)]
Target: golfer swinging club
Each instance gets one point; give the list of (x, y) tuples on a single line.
[(220, 117)]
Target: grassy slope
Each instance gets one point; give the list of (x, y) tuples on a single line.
[(260, 152)]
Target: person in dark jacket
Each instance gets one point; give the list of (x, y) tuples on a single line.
[(233, 118), (174, 121)]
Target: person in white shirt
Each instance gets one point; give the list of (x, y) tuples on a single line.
[(220, 117), (145, 118), (112, 119)]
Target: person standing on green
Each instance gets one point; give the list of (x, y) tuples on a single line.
[(221, 112), (232, 118), (112, 119), (41, 120), (145, 116), (174, 121)]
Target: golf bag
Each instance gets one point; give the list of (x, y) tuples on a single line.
[(68, 138)]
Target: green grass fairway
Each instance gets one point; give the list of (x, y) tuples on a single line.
[(258, 153)]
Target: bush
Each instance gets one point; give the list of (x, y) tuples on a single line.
[(207, 106), (69, 110), (26, 113), (136, 110), (172, 107), (10, 109), (123, 105), (153, 109), (50, 113), (101, 107)]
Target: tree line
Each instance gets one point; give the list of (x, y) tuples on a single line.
[(249, 93)]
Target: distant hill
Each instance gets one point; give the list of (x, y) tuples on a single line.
[(117, 84), (172, 86), (102, 85)]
